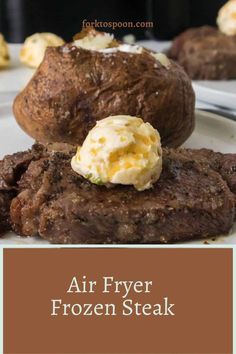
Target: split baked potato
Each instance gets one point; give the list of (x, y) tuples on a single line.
[(74, 87)]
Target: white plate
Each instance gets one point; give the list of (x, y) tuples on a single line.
[(211, 131), (219, 93)]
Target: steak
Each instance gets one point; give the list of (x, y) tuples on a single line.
[(5, 202), (224, 164), (192, 199), (11, 169)]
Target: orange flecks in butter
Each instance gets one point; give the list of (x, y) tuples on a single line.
[(121, 150)]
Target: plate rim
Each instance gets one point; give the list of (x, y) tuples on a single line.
[(206, 95)]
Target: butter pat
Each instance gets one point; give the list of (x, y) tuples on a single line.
[(120, 150), (102, 42), (226, 19), (34, 47), (95, 41), (4, 53), (162, 58), (127, 48)]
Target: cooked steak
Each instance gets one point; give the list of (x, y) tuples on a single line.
[(13, 166), (190, 200), (205, 53), (224, 164), (5, 202), (11, 169)]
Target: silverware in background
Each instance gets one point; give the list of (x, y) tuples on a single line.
[(222, 112)]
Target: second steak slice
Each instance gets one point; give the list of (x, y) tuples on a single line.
[(12, 167), (190, 200)]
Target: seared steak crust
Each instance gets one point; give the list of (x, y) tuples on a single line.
[(190, 200), (5, 202), (11, 169), (224, 164)]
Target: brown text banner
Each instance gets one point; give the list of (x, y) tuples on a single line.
[(118, 300)]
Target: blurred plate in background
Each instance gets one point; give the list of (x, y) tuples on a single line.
[(219, 93)]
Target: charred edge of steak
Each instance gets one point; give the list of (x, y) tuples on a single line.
[(224, 164), (13, 167), (5, 202)]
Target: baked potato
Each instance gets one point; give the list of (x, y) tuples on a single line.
[(205, 53), (74, 87)]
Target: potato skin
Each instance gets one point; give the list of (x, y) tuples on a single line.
[(73, 88), (205, 53)]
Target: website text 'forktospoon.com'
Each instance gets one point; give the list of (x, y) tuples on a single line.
[(114, 24)]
